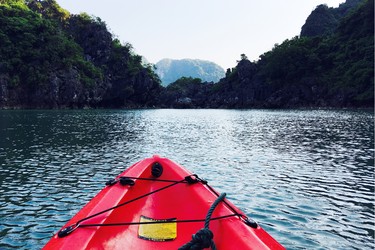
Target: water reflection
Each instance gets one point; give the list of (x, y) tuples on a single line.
[(306, 176)]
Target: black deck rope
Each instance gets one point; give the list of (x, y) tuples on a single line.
[(204, 237), (132, 200), (66, 231), (191, 179), (114, 181), (248, 221), (155, 222)]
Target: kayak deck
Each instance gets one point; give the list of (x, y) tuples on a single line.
[(142, 210)]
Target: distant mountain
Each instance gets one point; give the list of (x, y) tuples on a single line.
[(169, 70), (325, 20)]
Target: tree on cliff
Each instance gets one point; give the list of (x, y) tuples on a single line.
[(49, 58)]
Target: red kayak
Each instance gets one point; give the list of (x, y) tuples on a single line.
[(157, 204)]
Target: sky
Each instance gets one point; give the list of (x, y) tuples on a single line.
[(214, 30)]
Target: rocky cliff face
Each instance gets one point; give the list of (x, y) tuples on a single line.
[(240, 88), (63, 90), (50, 59)]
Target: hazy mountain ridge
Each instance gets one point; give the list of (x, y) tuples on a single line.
[(169, 70)]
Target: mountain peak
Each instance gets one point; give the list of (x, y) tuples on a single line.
[(169, 70), (324, 20)]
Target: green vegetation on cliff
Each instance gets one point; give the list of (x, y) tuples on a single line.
[(338, 67), (49, 58), (186, 92), (32, 47)]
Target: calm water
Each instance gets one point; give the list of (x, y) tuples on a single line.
[(306, 176)]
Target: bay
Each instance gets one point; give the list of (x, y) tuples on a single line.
[(307, 176)]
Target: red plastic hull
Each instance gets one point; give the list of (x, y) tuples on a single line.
[(182, 201)]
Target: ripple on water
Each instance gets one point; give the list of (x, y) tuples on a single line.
[(306, 176)]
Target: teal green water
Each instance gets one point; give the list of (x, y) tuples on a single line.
[(307, 176)]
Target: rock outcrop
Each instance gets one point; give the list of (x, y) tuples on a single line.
[(51, 59)]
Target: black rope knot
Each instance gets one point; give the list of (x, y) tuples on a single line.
[(202, 239)]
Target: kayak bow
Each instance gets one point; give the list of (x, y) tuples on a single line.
[(157, 204)]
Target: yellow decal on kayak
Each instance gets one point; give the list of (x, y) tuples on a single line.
[(157, 230)]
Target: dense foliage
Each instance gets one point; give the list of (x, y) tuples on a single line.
[(339, 67), (32, 47), (49, 58), (186, 92)]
